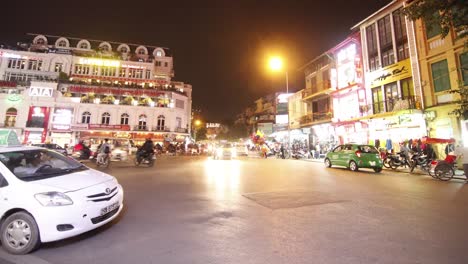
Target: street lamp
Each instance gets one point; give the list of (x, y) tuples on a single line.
[(276, 64)]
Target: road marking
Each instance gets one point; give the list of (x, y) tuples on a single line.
[(20, 259)]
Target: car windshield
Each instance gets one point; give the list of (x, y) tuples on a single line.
[(368, 149), (38, 164)]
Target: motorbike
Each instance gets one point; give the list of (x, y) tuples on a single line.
[(422, 161), (142, 157), (398, 160), (103, 161), (82, 155), (300, 154)]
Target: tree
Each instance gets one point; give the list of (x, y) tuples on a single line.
[(462, 109), (445, 13)]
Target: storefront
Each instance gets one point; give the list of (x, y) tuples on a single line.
[(352, 131), (36, 125), (323, 137), (61, 132), (401, 127)]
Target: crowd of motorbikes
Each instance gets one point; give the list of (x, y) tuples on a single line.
[(83, 153)]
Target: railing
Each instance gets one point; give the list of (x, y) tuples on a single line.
[(393, 105), (305, 119), (160, 128), (140, 128), (181, 130), (315, 117)]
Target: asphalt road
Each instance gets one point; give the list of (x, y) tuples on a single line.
[(251, 210)]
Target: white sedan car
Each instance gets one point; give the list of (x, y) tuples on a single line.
[(45, 196)]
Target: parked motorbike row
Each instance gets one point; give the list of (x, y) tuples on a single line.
[(438, 169)]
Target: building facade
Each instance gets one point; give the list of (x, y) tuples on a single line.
[(64, 89), (391, 73)]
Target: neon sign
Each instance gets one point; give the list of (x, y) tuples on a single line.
[(99, 62)]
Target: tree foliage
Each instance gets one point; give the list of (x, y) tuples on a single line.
[(446, 13)]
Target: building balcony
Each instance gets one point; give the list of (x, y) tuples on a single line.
[(315, 117), (181, 130), (160, 129), (393, 105), (141, 128)]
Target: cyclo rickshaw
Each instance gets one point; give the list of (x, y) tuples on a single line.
[(442, 169)]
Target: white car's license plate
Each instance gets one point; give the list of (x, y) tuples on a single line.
[(109, 208)]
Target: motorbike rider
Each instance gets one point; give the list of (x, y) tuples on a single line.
[(146, 150), (104, 150), (83, 149)]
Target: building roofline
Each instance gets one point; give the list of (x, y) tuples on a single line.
[(374, 14), (95, 40)]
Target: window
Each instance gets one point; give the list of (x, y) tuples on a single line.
[(464, 67), (58, 67), (399, 24), (123, 72), (166, 64), (84, 45), (407, 88), (433, 29), (326, 79), (124, 119), (391, 95), (159, 53), (105, 120), (388, 57), (142, 122), (440, 76), (161, 122), (95, 70), (105, 48), (148, 74), (108, 71), (374, 63), (141, 51), (82, 69), (135, 73), (313, 84), (62, 44), (159, 63), (123, 50), (10, 117), (35, 65), (178, 122), (16, 64), (385, 32), (41, 41), (179, 103), (403, 51), (377, 100), (86, 117)]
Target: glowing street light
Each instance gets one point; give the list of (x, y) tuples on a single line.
[(276, 64)]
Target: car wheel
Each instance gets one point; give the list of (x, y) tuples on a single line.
[(20, 234), (377, 170), (328, 163), (353, 166)]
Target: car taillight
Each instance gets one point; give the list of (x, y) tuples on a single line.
[(434, 162), (358, 153)]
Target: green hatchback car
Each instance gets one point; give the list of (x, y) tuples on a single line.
[(355, 156)]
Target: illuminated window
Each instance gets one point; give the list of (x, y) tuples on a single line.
[(391, 95), (86, 117), (105, 119), (16, 64), (58, 67), (123, 72), (377, 100), (124, 119), (161, 122), (10, 118), (159, 53), (35, 65)]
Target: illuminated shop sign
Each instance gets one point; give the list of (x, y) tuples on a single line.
[(213, 125), (348, 53), (133, 66), (346, 66), (62, 118), (392, 73), (41, 91), (11, 55), (99, 62)]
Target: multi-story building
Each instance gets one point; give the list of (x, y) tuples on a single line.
[(443, 66), (317, 97), (391, 73), (75, 88)]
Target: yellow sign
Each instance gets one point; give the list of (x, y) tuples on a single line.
[(99, 62), (392, 73)]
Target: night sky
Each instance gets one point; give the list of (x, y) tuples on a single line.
[(219, 47)]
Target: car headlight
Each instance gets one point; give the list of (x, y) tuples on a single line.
[(53, 199)]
